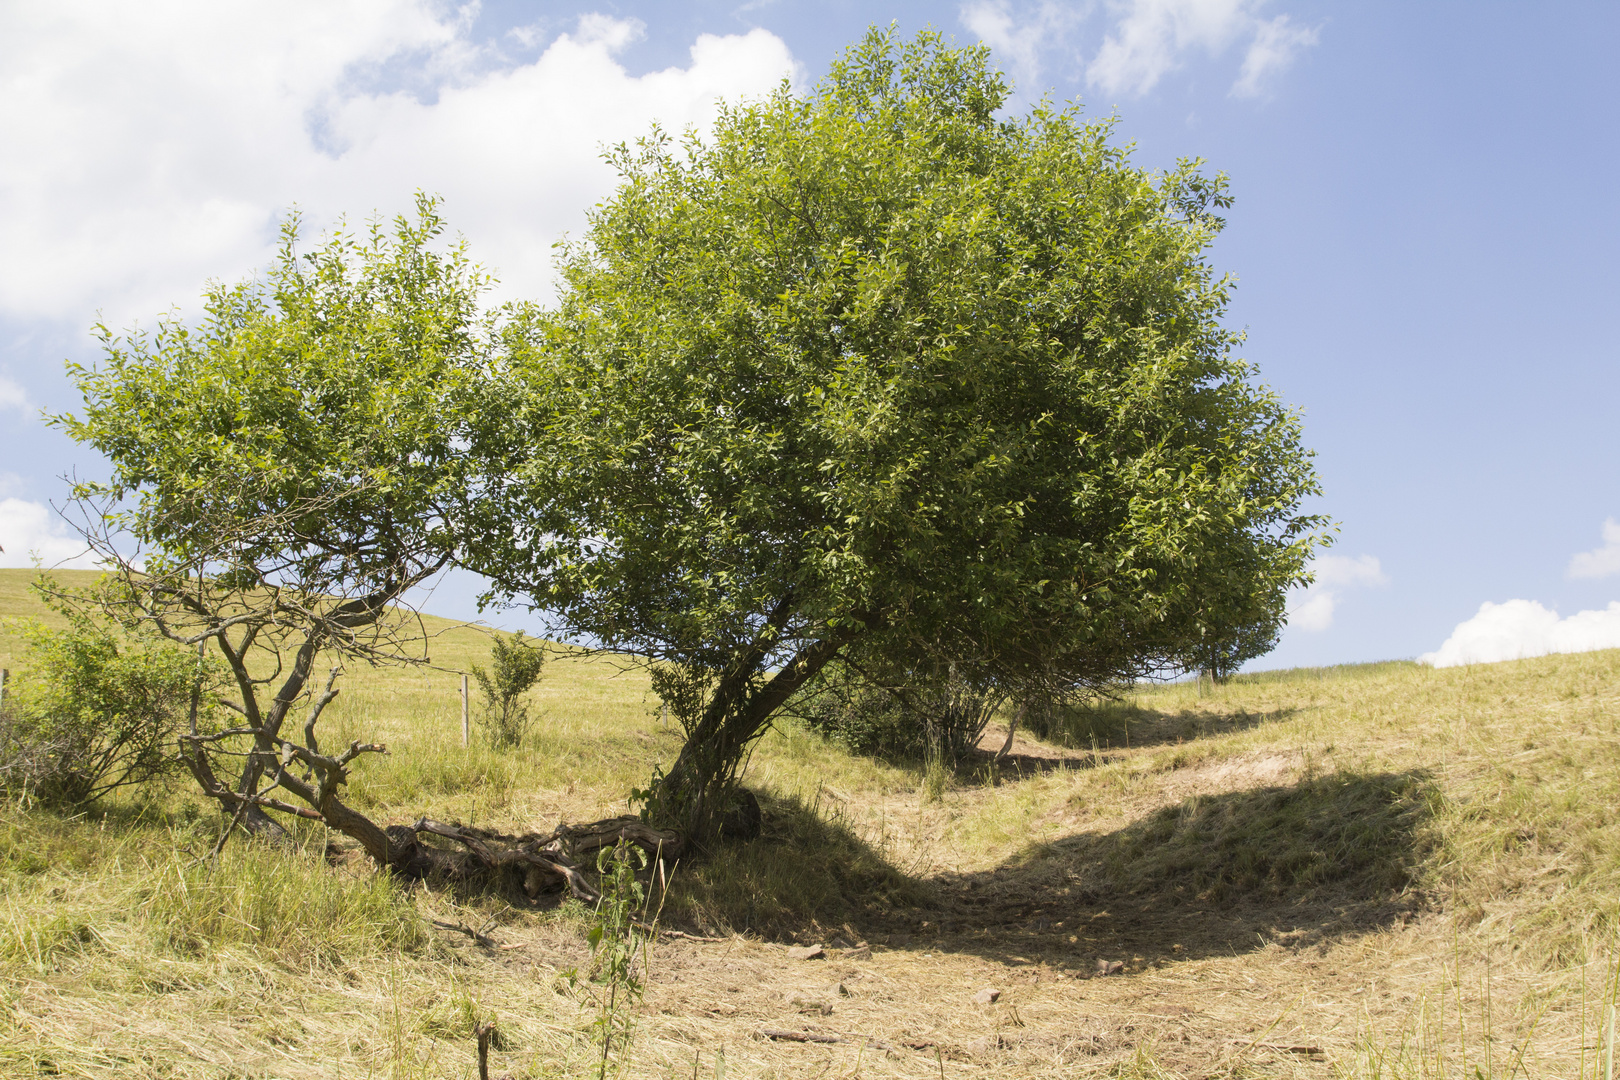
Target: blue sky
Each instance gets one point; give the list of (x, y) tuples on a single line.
[(1424, 235)]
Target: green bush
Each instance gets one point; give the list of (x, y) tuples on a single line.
[(924, 719), (864, 718), (514, 669), (92, 714)]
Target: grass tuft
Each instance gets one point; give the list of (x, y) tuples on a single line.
[(288, 904)]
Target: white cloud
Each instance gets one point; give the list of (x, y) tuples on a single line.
[(1143, 40), (152, 146), (612, 34), (1147, 41), (12, 395), (1151, 37), (1276, 43), (518, 155), (1599, 562), (30, 528), (1523, 628), (1018, 41), (1311, 609)]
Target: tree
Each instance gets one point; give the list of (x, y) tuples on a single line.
[(871, 370), (280, 477), (284, 474)]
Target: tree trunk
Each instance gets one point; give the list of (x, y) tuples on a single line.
[(1012, 730), (238, 813), (699, 788)]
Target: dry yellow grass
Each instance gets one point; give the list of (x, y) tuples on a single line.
[(1414, 872)]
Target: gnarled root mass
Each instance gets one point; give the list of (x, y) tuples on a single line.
[(540, 862)]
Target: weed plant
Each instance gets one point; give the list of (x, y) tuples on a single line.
[(619, 954)]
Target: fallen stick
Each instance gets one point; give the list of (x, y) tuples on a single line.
[(477, 935), (817, 1037), (667, 932), (1281, 1048), (799, 1036)]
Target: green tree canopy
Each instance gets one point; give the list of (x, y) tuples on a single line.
[(871, 368), (313, 414)]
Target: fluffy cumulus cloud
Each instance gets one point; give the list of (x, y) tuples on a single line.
[(30, 529), (1311, 609), (1599, 562), (1142, 40), (1522, 628), (151, 146)]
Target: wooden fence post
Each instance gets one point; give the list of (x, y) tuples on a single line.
[(466, 726), (5, 677)]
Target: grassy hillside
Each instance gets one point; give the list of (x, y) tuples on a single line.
[(1380, 870)]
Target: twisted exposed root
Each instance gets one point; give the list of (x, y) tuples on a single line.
[(545, 860)]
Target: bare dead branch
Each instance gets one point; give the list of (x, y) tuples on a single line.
[(523, 851), (478, 936), (357, 748), (317, 707), (267, 803)]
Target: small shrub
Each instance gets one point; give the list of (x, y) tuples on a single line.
[(514, 669), (93, 714), (955, 714), (928, 720), (864, 718)]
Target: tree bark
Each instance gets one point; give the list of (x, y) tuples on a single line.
[(1012, 729), (698, 786)]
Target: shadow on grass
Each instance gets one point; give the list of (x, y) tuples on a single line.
[(1104, 732), (808, 873), (1299, 865), (1112, 725)]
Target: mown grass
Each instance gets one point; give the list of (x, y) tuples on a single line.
[(1277, 840), (1449, 837)]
